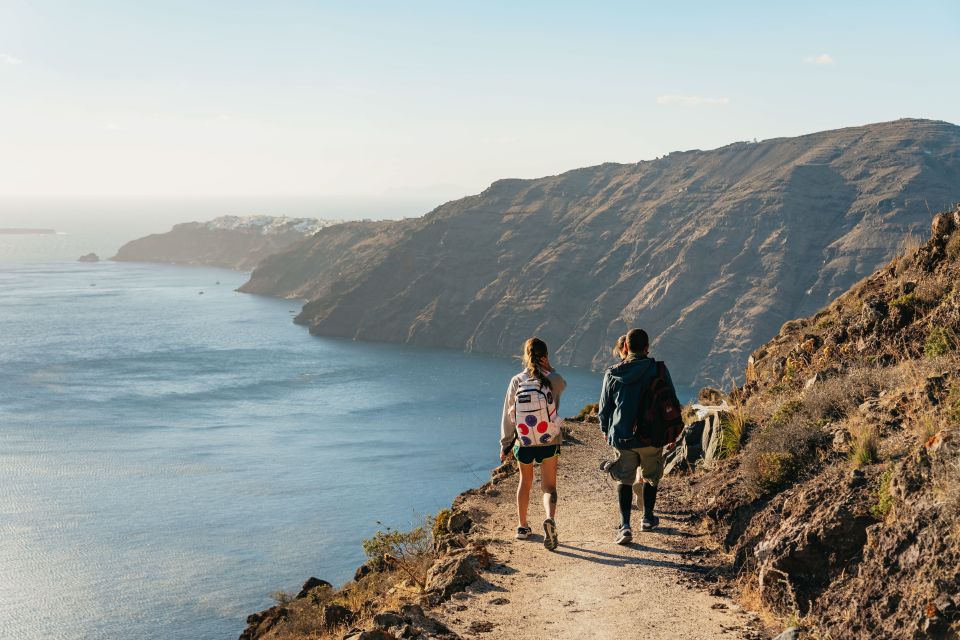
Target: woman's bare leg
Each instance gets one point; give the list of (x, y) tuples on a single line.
[(523, 492), (548, 481)]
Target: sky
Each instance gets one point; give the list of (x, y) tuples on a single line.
[(434, 100)]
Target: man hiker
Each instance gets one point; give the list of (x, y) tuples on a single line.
[(625, 402)]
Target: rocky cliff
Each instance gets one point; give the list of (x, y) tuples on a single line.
[(231, 242), (711, 251), (838, 495)]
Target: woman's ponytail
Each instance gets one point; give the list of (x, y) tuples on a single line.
[(535, 350)]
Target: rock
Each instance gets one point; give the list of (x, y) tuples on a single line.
[(311, 584), (481, 627), (841, 440), (387, 619), (335, 615), (451, 574), (89, 257), (362, 571), (376, 634), (942, 225), (459, 522), (259, 624), (790, 633), (499, 601)]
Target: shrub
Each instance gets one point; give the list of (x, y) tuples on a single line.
[(776, 456), (587, 411), (907, 302), (440, 523), (939, 342), (282, 597), (884, 502), (866, 447), (408, 551), (785, 412)]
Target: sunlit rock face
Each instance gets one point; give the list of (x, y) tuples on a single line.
[(710, 251)]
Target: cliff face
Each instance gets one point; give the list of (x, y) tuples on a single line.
[(230, 242), (710, 251)]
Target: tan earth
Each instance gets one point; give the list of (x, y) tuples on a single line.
[(590, 587)]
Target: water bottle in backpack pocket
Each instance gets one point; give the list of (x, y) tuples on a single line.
[(535, 413)]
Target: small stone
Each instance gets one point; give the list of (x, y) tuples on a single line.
[(499, 601), (718, 605), (481, 627), (791, 633)]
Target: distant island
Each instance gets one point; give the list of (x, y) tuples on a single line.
[(89, 257), (230, 242), (18, 231)]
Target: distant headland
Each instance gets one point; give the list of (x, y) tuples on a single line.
[(18, 231)]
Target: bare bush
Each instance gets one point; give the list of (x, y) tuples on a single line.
[(776, 456)]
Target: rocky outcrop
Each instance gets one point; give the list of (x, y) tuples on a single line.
[(89, 257), (710, 251), (230, 242)]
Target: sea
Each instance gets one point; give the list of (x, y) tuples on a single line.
[(172, 451)]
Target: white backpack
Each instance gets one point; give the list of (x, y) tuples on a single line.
[(535, 413)]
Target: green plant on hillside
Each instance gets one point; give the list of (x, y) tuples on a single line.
[(884, 502), (281, 597), (865, 449), (940, 342), (409, 551), (907, 302)]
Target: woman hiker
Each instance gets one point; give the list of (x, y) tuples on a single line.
[(530, 432)]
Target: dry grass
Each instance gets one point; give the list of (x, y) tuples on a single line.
[(865, 448)]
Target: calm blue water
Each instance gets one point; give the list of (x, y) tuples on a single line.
[(168, 459)]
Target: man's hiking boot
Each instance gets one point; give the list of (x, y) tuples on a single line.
[(624, 535), (605, 466), (523, 533), (550, 539), (649, 522)]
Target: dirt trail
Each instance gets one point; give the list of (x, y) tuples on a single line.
[(590, 587)]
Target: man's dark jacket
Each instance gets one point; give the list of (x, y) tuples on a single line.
[(623, 385)]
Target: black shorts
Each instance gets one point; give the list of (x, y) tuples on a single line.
[(529, 455)]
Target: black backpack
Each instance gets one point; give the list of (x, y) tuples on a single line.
[(659, 420)]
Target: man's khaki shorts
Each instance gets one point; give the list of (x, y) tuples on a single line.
[(648, 459)]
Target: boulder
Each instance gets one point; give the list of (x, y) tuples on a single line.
[(311, 584), (335, 615), (459, 522), (790, 633), (451, 574), (89, 257)]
